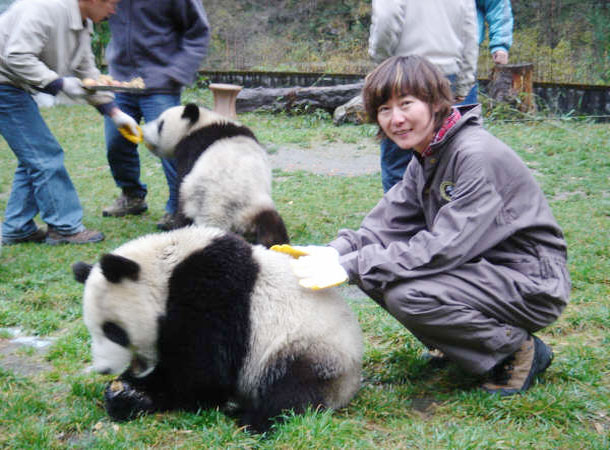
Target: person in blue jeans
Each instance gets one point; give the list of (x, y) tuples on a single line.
[(394, 159), (498, 15), (46, 47), (164, 43), (410, 27)]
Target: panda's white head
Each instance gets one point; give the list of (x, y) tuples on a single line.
[(119, 314), (163, 134)]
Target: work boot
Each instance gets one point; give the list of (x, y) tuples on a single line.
[(517, 372), (82, 237), (124, 205), (167, 222), (37, 237)]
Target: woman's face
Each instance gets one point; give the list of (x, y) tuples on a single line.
[(407, 121)]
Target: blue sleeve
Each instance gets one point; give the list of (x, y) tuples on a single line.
[(499, 17)]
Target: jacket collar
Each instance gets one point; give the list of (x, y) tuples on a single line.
[(469, 113), (76, 21)]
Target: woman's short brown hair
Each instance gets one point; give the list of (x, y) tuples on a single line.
[(407, 75)]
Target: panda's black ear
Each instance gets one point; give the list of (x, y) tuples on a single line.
[(115, 268), (81, 271), (191, 113)]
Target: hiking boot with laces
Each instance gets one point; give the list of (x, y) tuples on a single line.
[(125, 205), (517, 372), (37, 236), (82, 237)]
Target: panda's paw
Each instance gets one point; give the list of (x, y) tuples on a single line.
[(255, 423), (123, 402)]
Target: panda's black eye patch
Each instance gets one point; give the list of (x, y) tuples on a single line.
[(115, 333)]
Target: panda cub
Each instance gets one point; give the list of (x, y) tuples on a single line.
[(224, 175), (198, 318)]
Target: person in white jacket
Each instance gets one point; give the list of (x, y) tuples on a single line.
[(45, 46), (445, 33)]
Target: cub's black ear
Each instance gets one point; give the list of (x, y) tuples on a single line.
[(191, 113), (81, 271), (115, 268)]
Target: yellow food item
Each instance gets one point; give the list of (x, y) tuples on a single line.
[(137, 82), (116, 386), (288, 249), (126, 133), (107, 80)]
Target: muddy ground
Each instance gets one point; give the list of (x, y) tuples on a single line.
[(336, 158)]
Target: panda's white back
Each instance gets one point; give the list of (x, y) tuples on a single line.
[(288, 320), (229, 184)]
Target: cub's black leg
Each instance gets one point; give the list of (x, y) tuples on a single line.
[(295, 387)]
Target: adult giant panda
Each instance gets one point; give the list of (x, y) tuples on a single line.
[(197, 317), (224, 174)]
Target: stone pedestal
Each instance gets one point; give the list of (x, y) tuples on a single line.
[(224, 98)]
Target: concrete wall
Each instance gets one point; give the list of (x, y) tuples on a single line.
[(558, 98)]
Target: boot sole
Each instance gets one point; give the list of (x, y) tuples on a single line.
[(135, 212), (62, 241)]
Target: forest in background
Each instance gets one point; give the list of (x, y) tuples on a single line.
[(567, 40)]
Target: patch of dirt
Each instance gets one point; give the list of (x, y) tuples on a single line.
[(336, 158), (13, 357), (24, 355)]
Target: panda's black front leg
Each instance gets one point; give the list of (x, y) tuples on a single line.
[(128, 397)]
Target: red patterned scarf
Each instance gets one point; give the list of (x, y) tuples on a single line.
[(447, 124)]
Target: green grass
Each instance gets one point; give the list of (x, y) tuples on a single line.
[(403, 403)]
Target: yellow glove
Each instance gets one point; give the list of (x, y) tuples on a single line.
[(316, 267)]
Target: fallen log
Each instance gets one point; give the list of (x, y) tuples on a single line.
[(351, 112), (296, 99)]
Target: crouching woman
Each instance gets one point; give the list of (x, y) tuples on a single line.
[(464, 251)]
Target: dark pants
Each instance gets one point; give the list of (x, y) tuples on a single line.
[(123, 156)]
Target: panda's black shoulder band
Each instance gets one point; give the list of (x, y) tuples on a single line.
[(208, 135)]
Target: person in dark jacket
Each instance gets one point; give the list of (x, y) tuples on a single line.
[(464, 251), (164, 43)]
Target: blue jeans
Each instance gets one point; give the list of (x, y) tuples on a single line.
[(473, 95), (394, 159), (123, 156), (41, 183)]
